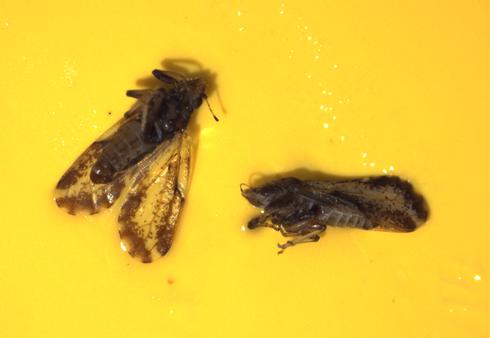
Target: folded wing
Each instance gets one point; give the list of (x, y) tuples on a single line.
[(388, 202), (150, 212), (76, 192)]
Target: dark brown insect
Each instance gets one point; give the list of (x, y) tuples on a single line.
[(304, 209), (145, 156)]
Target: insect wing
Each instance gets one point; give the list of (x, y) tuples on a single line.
[(76, 192), (389, 202), (150, 212)]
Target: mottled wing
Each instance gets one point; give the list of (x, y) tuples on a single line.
[(388, 202), (152, 207), (76, 192)]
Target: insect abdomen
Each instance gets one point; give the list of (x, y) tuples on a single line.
[(125, 148), (346, 219)]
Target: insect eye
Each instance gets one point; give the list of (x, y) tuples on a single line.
[(169, 125), (263, 196), (197, 102)]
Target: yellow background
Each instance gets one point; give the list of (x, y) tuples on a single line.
[(347, 87)]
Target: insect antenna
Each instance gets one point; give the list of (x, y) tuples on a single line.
[(211, 109)]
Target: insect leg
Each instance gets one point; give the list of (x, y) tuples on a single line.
[(140, 105), (262, 221), (288, 233), (298, 229), (138, 93), (313, 235)]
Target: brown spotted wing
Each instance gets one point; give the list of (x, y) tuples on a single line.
[(144, 159)]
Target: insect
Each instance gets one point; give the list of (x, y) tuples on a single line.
[(303, 209), (144, 157)]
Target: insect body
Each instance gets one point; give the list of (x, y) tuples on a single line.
[(304, 209), (145, 156)]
